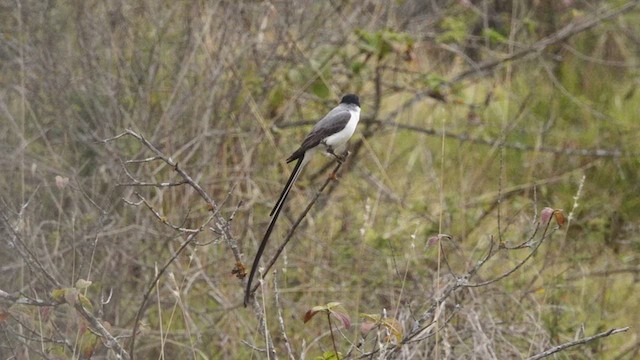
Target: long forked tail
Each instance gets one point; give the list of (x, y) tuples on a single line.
[(274, 217), (292, 179)]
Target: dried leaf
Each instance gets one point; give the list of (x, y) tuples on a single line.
[(391, 324), (547, 213), (71, 295), (83, 284), (394, 327), (560, 219), (61, 182), (4, 315)]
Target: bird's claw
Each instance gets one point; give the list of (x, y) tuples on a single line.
[(339, 157)]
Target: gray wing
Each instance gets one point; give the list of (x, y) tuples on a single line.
[(332, 123)]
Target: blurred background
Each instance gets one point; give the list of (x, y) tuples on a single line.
[(476, 115)]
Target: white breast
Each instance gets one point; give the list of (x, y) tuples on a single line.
[(341, 137)]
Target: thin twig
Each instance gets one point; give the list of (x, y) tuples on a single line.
[(156, 185), (154, 282), (596, 153), (107, 339), (221, 223), (582, 341), (26, 254), (295, 226), (563, 34), (24, 300), (283, 332), (163, 219), (333, 339), (519, 264)]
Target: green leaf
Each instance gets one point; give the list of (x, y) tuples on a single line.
[(433, 80), (357, 66), (384, 42), (320, 89), (494, 36), (330, 355), (57, 295), (86, 303), (88, 344), (455, 30)]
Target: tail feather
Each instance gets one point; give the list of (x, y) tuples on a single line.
[(287, 187), (274, 217)]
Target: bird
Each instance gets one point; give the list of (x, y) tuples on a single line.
[(330, 134)]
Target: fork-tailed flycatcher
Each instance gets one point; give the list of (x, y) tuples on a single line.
[(330, 134)]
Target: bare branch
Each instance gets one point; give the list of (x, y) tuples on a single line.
[(138, 161), (221, 223), (108, 340), (563, 34), (569, 344), (283, 331), (596, 153), (163, 219), (154, 282), (157, 185), (21, 299)]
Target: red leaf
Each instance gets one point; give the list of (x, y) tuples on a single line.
[(545, 215), (366, 327), (4, 315), (309, 315), (343, 318)]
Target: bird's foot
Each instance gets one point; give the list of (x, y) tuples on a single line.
[(339, 157)]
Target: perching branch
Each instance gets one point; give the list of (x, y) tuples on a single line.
[(295, 226)]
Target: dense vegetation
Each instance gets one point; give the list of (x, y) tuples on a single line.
[(489, 207)]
